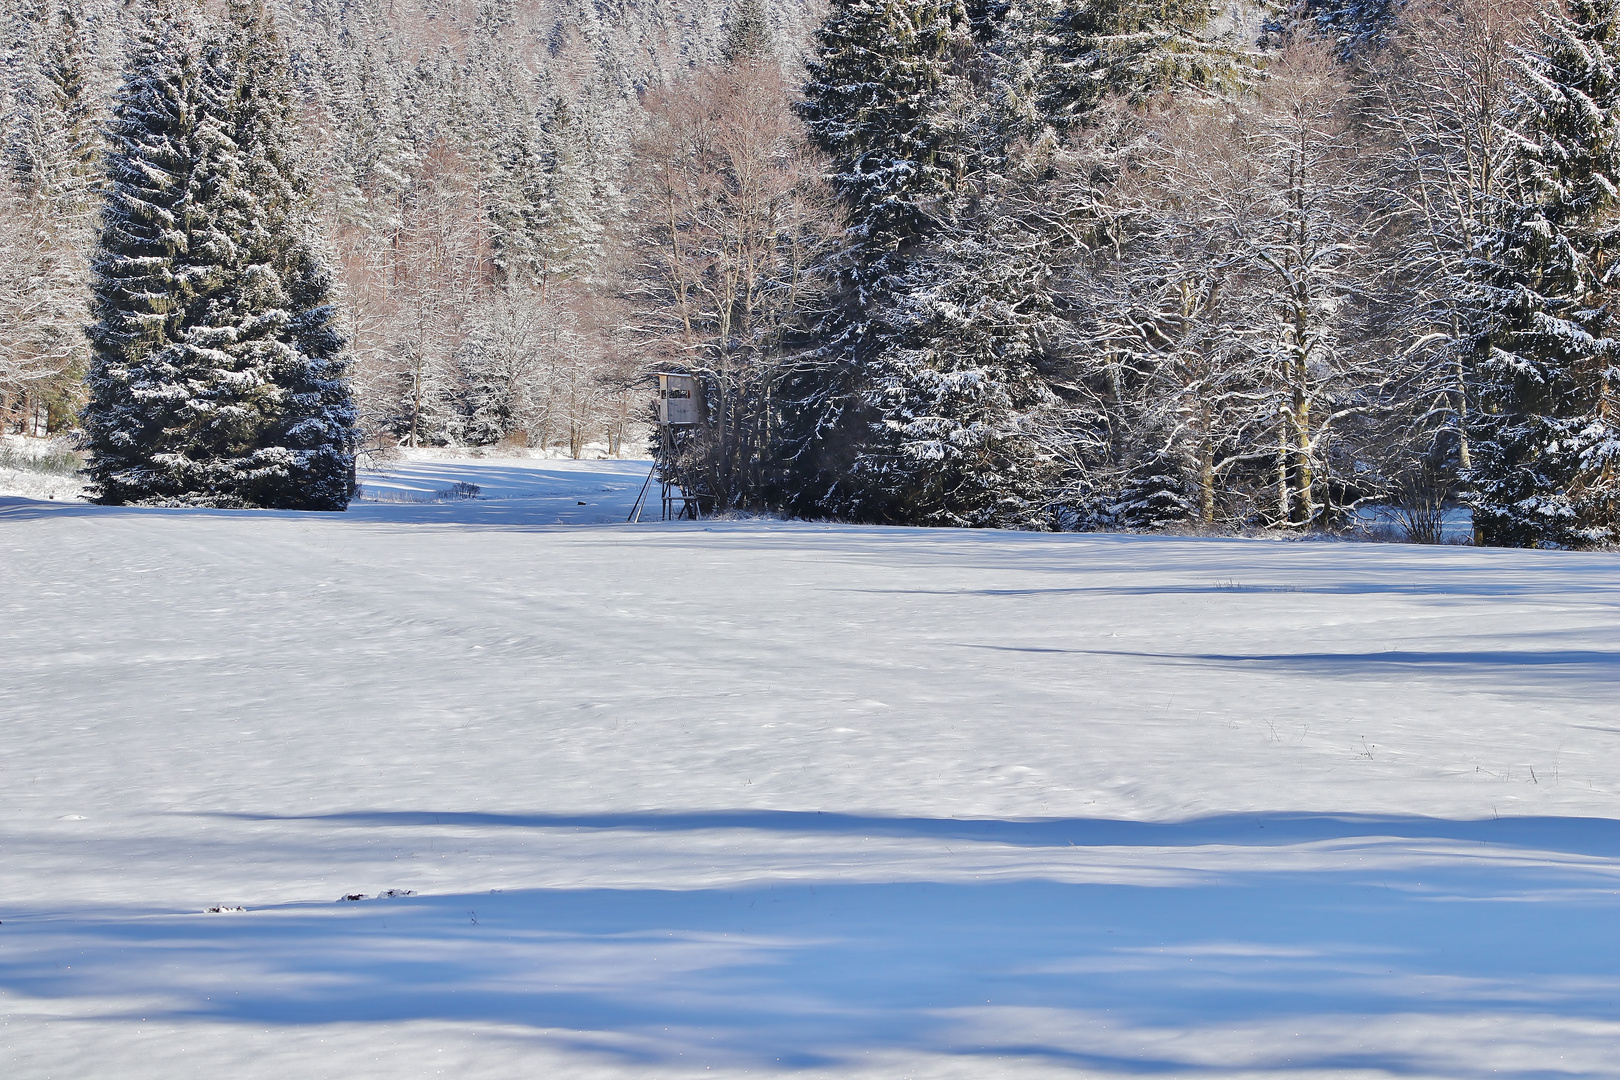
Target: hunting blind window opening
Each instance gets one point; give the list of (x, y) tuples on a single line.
[(677, 400)]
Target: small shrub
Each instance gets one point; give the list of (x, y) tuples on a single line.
[(461, 490), (53, 462)]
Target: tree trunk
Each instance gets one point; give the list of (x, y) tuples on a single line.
[(1304, 476), (1282, 469), (1206, 478)]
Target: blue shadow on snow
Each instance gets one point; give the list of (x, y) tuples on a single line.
[(1570, 835)]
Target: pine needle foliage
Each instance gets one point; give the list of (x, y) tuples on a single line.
[(888, 102), (217, 378), (748, 33), (1060, 59), (1547, 469)]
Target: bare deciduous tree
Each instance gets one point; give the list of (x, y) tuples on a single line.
[(1285, 186), (1441, 92), (410, 292), (733, 223)]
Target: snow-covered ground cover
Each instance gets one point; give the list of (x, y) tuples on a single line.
[(764, 798), (39, 469)]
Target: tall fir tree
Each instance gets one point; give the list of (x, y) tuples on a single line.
[(748, 33), (509, 172), (889, 102), (52, 149), (157, 264), (54, 146), (216, 379), (926, 395), (1547, 462), (568, 202), (883, 101), (958, 396), (1355, 27), (303, 452), (1058, 59)]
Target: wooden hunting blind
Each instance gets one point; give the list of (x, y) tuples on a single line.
[(677, 400), (678, 407)]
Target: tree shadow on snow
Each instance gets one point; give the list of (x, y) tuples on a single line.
[(1343, 588), (1563, 663), (1599, 837), (1122, 977), (816, 973)]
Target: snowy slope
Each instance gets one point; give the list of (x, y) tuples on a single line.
[(768, 798)]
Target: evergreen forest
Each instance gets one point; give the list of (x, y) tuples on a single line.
[(1035, 264)]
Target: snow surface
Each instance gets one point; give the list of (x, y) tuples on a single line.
[(765, 798), (31, 482), (511, 491)]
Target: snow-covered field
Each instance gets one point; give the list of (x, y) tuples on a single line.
[(764, 798)]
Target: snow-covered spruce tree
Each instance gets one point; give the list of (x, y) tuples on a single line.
[(216, 378), (570, 200), (888, 102), (1354, 26), (748, 33), (961, 435), (304, 452), (1058, 59), (157, 266), (1547, 462), (52, 152), (510, 187), (52, 143), (884, 100)]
